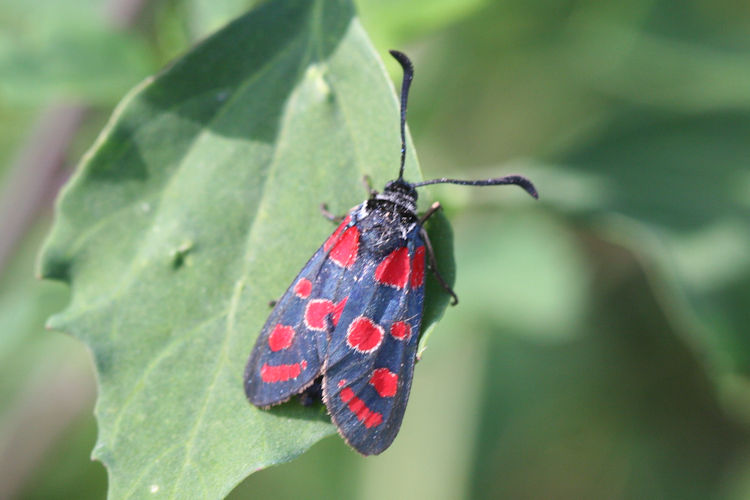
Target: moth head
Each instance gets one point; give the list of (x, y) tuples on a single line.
[(402, 189)]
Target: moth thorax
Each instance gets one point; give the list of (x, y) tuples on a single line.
[(400, 193)]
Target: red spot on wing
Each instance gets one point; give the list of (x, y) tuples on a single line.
[(316, 313), (364, 335), (281, 373), (335, 236), (394, 269), (303, 288), (344, 252), (385, 382), (417, 268), (359, 408), (318, 310), (401, 330), (342, 382), (281, 337)]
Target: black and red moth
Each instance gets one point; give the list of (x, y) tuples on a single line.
[(348, 326)]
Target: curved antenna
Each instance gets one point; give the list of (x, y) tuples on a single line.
[(405, 84), (518, 180)]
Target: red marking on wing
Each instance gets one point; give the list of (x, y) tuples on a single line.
[(359, 408), (303, 288), (281, 337), (401, 330), (318, 310), (281, 373), (394, 270), (364, 335), (417, 268), (335, 236), (385, 382), (342, 382), (344, 252)]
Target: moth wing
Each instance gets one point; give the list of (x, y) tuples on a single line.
[(290, 349), (370, 363)]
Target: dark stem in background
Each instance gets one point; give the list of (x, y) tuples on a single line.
[(36, 174)]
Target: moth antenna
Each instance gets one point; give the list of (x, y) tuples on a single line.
[(408, 68), (518, 180)]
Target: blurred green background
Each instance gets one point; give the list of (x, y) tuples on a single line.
[(600, 349)]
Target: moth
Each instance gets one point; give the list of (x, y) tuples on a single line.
[(348, 326)]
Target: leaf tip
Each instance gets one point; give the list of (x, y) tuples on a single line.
[(54, 323)]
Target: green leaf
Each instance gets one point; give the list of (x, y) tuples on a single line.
[(196, 207)]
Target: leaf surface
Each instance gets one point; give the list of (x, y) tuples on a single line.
[(195, 208)]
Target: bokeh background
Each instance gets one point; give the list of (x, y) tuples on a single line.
[(601, 346)]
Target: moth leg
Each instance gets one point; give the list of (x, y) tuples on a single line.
[(313, 394), (429, 213), (433, 263), (367, 182), (431, 254), (328, 215)]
